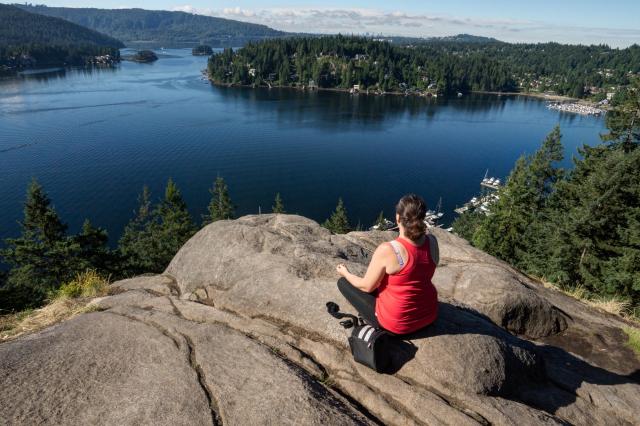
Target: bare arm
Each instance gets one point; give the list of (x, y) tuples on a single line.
[(375, 272)]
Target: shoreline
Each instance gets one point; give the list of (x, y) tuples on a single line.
[(315, 89), (541, 96), (558, 98)]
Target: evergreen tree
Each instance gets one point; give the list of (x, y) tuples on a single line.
[(136, 240), (596, 224), (467, 224), (338, 222), (278, 206), (170, 228), (623, 121), (40, 258), (92, 250), (220, 207)]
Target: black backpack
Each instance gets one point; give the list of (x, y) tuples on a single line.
[(369, 345)]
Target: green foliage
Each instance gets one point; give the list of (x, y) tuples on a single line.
[(623, 121), (338, 222), (634, 339), (154, 236), (160, 27), (86, 284), (596, 224), (145, 56), (136, 239), (220, 207), (435, 66), (340, 61), (18, 27), (202, 50), (92, 249), (278, 206), (171, 228), (468, 223)]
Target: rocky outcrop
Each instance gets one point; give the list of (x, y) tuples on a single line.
[(236, 332)]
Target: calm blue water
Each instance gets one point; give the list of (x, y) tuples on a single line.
[(93, 139)]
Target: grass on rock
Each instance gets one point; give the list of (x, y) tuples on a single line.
[(612, 304), (69, 300), (634, 339)]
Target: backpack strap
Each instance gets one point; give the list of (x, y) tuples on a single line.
[(334, 310)]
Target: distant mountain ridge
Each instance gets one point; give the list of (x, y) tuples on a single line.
[(155, 28), (465, 38), (19, 27), (458, 38)]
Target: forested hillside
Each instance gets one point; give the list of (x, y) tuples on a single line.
[(160, 28), (28, 39), (435, 67), (18, 27)]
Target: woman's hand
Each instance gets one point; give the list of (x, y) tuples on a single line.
[(342, 269)]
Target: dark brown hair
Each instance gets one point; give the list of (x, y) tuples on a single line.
[(412, 209)]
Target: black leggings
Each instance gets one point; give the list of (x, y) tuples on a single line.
[(365, 303)]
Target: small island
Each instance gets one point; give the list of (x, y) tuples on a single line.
[(146, 56), (202, 50)]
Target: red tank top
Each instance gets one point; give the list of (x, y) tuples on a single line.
[(408, 300)]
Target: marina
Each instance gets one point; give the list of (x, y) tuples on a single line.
[(576, 108)]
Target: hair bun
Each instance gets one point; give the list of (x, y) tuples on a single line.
[(412, 210)]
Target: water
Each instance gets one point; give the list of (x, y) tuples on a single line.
[(94, 138)]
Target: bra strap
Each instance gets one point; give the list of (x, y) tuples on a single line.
[(396, 250)]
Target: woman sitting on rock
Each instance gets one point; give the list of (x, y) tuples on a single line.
[(396, 292)]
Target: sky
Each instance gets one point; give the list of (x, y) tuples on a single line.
[(613, 22)]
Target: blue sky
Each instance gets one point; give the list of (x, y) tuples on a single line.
[(614, 22)]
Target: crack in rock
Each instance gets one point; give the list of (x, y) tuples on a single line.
[(151, 324), (216, 419)]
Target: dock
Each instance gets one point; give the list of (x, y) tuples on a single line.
[(490, 182), (483, 201)]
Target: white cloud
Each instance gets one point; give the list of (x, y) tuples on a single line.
[(237, 12), (352, 20)]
